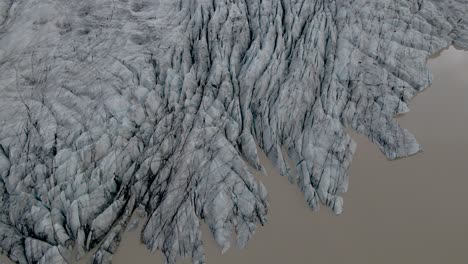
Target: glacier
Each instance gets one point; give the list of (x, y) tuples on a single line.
[(108, 107)]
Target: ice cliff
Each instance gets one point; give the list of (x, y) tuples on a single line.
[(107, 106)]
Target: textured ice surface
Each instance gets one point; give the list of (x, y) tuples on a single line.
[(107, 106)]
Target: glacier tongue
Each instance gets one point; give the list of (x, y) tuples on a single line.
[(109, 106)]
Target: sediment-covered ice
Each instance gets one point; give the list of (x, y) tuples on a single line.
[(107, 106)]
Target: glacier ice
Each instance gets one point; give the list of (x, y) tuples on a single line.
[(109, 106)]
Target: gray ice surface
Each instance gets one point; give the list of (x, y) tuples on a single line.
[(107, 106)]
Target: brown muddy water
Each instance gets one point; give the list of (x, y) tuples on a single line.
[(412, 210)]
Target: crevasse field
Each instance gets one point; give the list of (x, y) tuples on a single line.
[(108, 106)]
